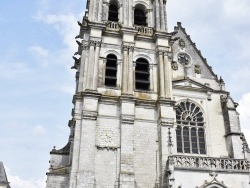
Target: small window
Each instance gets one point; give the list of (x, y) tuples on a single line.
[(113, 13), (142, 74), (140, 17), (111, 70)]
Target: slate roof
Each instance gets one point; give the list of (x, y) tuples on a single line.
[(3, 176)]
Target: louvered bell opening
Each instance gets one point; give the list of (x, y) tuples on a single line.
[(140, 18), (113, 13), (142, 75), (111, 71)]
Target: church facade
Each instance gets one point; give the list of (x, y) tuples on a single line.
[(149, 112)]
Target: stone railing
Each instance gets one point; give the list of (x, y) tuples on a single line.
[(207, 163), (147, 31), (112, 26)]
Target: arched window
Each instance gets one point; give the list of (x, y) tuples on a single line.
[(140, 17), (142, 74), (111, 70), (190, 134), (113, 13)]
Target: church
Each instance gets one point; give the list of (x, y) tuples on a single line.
[(149, 112)]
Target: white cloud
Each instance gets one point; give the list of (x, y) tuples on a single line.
[(40, 51), (38, 130), (18, 182), (237, 11), (244, 111), (66, 26)]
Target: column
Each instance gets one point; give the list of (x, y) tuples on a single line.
[(167, 76), (151, 77), (99, 15), (96, 62), (161, 74), (118, 75), (157, 15), (130, 13), (165, 14), (90, 64), (82, 65), (125, 70), (125, 12), (91, 10), (130, 71), (162, 15)]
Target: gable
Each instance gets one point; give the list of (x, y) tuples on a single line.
[(187, 83), (197, 65)]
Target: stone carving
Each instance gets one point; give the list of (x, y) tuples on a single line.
[(207, 163), (94, 43), (174, 65), (128, 48), (182, 44), (197, 69), (183, 59)]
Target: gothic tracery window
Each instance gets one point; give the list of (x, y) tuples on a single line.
[(190, 134), (142, 74), (111, 71)]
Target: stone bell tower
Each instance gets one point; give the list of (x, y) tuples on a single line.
[(130, 75)]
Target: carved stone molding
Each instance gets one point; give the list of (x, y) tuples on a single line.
[(174, 65), (197, 69), (166, 122), (127, 119), (90, 115), (95, 43), (182, 44), (128, 48)]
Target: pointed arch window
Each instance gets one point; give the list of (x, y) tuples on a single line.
[(111, 71), (113, 13), (140, 17), (190, 134), (142, 74)]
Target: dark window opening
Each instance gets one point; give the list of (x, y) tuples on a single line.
[(111, 71), (113, 13), (140, 17), (142, 74)]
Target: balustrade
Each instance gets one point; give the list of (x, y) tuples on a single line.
[(207, 163)]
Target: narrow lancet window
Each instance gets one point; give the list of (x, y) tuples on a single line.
[(142, 74), (190, 134), (111, 71)]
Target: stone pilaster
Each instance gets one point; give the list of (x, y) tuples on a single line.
[(127, 69), (232, 127), (82, 67), (161, 74), (157, 15), (165, 121), (168, 75), (94, 48), (127, 174), (85, 149), (162, 15)]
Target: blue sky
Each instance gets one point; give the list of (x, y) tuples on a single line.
[(37, 84)]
